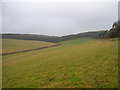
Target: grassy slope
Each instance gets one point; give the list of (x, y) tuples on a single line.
[(13, 45), (76, 41), (90, 64)]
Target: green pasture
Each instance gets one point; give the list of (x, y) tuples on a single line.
[(14, 45), (79, 63)]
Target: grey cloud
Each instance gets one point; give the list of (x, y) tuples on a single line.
[(57, 18)]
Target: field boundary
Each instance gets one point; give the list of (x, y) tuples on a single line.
[(30, 49)]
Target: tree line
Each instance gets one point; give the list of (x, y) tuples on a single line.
[(54, 39), (114, 32)]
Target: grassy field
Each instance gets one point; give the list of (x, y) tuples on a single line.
[(14, 45), (80, 63)]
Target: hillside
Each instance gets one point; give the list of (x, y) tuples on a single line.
[(79, 63), (52, 38), (76, 41), (14, 45)]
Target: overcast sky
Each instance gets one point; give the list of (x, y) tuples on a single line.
[(57, 18)]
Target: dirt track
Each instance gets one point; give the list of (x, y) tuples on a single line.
[(30, 49)]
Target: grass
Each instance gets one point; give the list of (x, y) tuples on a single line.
[(13, 45), (76, 41), (89, 64)]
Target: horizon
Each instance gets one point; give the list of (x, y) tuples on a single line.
[(52, 35)]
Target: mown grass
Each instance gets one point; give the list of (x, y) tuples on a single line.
[(92, 64), (13, 45)]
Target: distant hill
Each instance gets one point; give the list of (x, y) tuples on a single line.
[(94, 34)]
